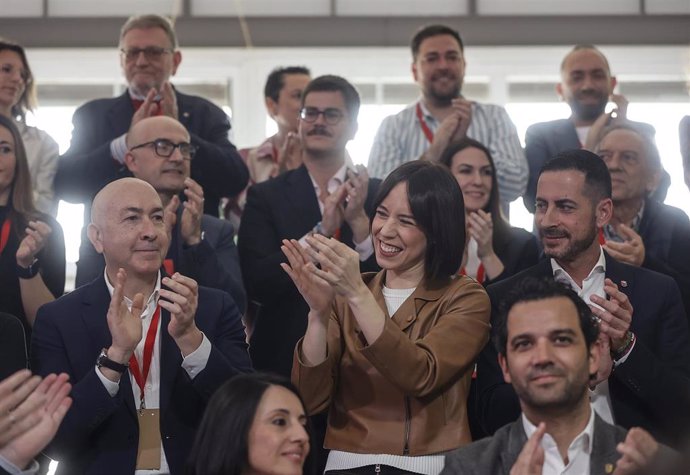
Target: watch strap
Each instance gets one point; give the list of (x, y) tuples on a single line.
[(104, 362)]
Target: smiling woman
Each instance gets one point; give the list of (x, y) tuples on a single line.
[(390, 355)]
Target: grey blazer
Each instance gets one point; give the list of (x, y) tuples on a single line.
[(496, 455)]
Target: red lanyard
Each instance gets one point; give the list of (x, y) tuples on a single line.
[(169, 266), (5, 234), (602, 238), (480, 273), (141, 377), (425, 128)]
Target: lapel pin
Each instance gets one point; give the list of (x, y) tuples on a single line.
[(624, 283), (185, 114), (608, 468)]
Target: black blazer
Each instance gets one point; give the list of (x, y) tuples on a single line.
[(100, 433), (88, 165), (13, 355), (545, 139), (517, 251), (284, 207), (651, 389)]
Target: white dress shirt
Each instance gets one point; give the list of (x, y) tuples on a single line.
[(579, 451), (193, 364)]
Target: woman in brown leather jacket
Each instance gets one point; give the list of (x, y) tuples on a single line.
[(390, 355)]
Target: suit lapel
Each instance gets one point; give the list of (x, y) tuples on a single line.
[(120, 115), (300, 195), (170, 361), (604, 454), (620, 274), (567, 136), (94, 316), (516, 441)]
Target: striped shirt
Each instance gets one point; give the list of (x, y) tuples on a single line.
[(401, 139)]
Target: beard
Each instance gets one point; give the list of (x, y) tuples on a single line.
[(588, 111), (443, 96), (562, 397), (574, 247)]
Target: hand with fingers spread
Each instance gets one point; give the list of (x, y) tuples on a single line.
[(168, 100), (339, 265), (124, 325), (356, 187), (615, 314), (290, 155), (531, 458), (190, 222), (17, 404), (631, 251), (181, 298), (49, 405), (639, 450), (36, 238), (316, 292)]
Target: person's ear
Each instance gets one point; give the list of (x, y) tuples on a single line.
[(559, 91), (604, 212), (131, 162), (95, 236), (612, 84), (503, 362), (414, 70), (271, 107), (177, 59)]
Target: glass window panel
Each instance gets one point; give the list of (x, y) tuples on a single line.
[(262, 8), (665, 7), (21, 8), (551, 7), (400, 7), (123, 8)]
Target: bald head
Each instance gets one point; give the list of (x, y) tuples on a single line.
[(111, 196), (151, 128)]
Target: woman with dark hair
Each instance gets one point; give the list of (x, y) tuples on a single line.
[(17, 97), (390, 354), (254, 424), (32, 248), (495, 250)]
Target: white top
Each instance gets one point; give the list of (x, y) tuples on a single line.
[(401, 139), (425, 464), (42, 155), (579, 451), (193, 364)]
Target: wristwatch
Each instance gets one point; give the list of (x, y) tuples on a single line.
[(104, 362), (28, 272)]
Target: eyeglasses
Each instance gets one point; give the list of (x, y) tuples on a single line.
[(8, 69), (165, 148), (151, 53), (331, 115)]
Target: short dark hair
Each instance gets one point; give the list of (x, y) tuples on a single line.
[(580, 47), (27, 101), (145, 22), (432, 30), (221, 444), (439, 210), (276, 80), (530, 289), (650, 150), (331, 83), (597, 176)]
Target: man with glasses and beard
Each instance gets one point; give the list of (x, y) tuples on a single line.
[(587, 86), (149, 57), (443, 115), (644, 374)]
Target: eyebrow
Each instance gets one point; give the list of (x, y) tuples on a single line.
[(5, 142), (556, 332)]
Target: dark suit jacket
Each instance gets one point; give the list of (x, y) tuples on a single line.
[(545, 139), (88, 165), (651, 389), (214, 262), (100, 433), (517, 251), (665, 231), (285, 207), (13, 355), (496, 455)]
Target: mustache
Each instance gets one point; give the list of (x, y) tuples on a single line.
[(546, 371), (444, 73), (319, 130), (589, 93), (553, 232)]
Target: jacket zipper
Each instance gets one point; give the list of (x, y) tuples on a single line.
[(408, 422)]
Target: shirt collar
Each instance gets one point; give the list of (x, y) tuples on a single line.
[(339, 177), (585, 438), (600, 266), (425, 111), (610, 232), (151, 302)]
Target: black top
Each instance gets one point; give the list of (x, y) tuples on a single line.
[(52, 270)]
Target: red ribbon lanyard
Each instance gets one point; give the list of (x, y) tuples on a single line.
[(169, 266), (141, 377), (425, 128), (5, 234), (602, 238), (480, 273)]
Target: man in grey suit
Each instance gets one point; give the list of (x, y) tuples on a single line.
[(587, 86), (547, 340), (201, 246)]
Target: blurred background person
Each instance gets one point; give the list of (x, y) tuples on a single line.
[(495, 250), (386, 353), (17, 97), (32, 248), (254, 424)]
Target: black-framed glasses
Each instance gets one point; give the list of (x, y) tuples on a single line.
[(331, 115), (152, 53), (164, 148)]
